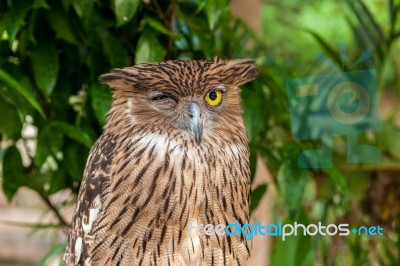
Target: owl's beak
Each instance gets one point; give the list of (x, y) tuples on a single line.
[(195, 121)]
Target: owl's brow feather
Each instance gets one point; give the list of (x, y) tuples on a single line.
[(182, 76)]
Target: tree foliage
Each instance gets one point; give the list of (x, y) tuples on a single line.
[(52, 53)]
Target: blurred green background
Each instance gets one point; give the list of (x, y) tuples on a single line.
[(52, 107)]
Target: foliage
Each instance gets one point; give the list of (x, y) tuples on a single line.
[(52, 52), (52, 55), (345, 193)]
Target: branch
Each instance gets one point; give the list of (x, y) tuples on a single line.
[(37, 226), (61, 219), (172, 18), (160, 12)]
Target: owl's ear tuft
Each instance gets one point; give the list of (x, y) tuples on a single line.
[(118, 79), (240, 71)]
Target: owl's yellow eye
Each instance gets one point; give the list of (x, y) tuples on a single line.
[(214, 97)]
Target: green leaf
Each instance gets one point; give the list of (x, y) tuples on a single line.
[(256, 195), (35, 16), (338, 178), (57, 250), (23, 40), (45, 66), (40, 4), (272, 159), (60, 23), (328, 48), (253, 161), (363, 16), (37, 181), (389, 138), (14, 97), (75, 158), (74, 133), (158, 26), (101, 98), (115, 51), (292, 180), (58, 180), (13, 172), (124, 10), (295, 250), (373, 21), (11, 83), (149, 49), (13, 18), (84, 8), (215, 10), (10, 125), (51, 139), (49, 142), (359, 253), (253, 107), (359, 35)]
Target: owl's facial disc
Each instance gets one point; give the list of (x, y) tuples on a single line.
[(163, 101), (196, 123)]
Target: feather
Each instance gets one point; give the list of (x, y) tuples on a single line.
[(146, 179)]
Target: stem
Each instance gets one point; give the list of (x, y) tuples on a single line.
[(387, 166), (171, 29), (61, 219), (160, 12)]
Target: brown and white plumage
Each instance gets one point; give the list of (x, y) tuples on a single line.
[(166, 157)]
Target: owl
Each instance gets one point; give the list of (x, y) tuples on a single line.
[(173, 157)]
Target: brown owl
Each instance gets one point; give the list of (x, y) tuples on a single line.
[(174, 153)]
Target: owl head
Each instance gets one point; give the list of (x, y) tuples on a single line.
[(195, 98)]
